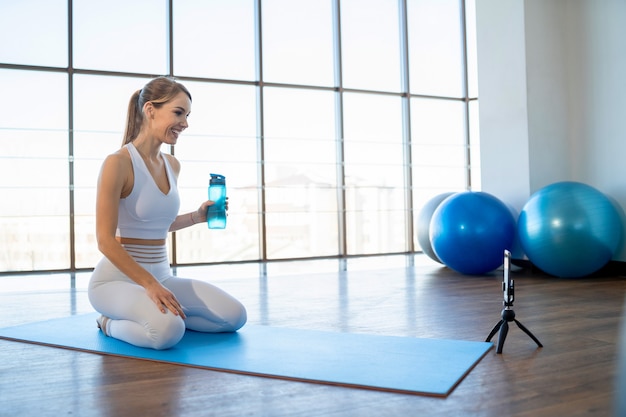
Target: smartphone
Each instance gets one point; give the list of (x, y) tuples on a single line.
[(507, 282)]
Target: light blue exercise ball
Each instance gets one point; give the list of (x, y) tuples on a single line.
[(470, 230), (423, 224), (569, 229)]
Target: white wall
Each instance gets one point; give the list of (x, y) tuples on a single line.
[(548, 98), (502, 99), (552, 91)]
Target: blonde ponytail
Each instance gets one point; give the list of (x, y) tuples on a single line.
[(134, 118)]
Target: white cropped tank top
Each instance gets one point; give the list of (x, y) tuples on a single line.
[(147, 213)]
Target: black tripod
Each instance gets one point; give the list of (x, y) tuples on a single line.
[(508, 314)]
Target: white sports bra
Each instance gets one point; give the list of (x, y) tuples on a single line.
[(147, 213)]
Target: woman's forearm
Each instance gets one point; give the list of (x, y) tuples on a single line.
[(115, 252), (183, 221)]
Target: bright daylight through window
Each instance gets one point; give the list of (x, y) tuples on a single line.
[(333, 121)]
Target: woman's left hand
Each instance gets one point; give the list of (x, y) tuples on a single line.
[(201, 213)]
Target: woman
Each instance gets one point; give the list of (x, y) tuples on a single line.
[(137, 203)]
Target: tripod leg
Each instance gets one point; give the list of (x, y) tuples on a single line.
[(494, 330), (525, 330), (504, 329)]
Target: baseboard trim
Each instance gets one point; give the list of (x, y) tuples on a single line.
[(611, 269)]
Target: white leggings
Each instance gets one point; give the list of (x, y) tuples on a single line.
[(136, 319)]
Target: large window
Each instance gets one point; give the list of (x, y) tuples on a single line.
[(300, 173), (334, 121), (121, 35), (374, 174), (370, 44), (34, 208)]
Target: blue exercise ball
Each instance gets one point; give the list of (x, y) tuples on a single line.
[(569, 229), (423, 224), (469, 232)]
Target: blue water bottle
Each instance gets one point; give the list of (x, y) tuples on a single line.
[(216, 214)]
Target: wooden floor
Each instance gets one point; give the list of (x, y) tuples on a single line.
[(577, 320)]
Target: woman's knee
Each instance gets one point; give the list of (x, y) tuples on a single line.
[(166, 332), (238, 317)]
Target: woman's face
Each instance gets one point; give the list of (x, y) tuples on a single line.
[(168, 121)]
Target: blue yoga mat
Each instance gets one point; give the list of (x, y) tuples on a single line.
[(400, 364)]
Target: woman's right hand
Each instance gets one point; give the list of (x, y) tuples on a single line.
[(164, 299)]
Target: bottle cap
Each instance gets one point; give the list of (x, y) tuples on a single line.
[(217, 178)]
